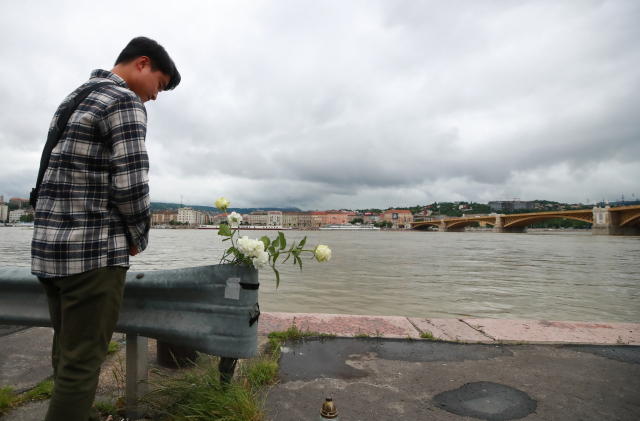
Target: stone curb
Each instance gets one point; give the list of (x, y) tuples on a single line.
[(462, 330)]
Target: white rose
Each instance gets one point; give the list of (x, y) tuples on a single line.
[(261, 260), (222, 203), (250, 248), (240, 244), (323, 253), (234, 219)]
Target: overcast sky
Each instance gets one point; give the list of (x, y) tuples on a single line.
[(321, 104)]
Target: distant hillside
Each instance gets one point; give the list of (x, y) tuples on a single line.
[(158, 206)]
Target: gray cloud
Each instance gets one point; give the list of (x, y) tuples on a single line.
[(333, 104)]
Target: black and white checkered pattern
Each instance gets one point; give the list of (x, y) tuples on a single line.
[(94, 199)]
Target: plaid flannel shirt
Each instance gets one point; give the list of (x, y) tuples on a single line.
[(94, 199)]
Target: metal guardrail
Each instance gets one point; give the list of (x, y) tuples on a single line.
[(212, 309)]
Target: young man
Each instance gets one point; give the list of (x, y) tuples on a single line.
[(92, 214)]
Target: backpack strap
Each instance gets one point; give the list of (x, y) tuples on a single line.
[(56, 133)]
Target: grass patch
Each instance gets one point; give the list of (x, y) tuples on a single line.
[(107, 408), (276, 339), (361, 334), (428, 335), (260, 372), (9, 400), (113, 347), (41, 391), (197, 393)]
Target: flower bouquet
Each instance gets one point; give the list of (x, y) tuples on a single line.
[(262, 252)]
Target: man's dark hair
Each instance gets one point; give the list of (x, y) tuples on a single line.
[(160, 60)]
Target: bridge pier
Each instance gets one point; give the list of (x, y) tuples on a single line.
[(444, 228), (501, 229), (606, 222)]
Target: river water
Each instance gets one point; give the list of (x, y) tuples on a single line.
[(549, 276)]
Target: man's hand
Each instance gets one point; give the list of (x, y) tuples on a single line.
[(133, 250)]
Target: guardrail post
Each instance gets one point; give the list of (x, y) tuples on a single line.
[(137, 375)]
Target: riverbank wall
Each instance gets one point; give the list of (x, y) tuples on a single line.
[(469, 330)]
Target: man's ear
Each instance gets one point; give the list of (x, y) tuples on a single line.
[(143, 62)]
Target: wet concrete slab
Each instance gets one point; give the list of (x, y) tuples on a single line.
[(25, 358), (318, 358), (383, 379), (558, 331), (487, 400), (340, 324)]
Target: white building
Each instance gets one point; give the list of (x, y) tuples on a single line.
[(259, 218), (4, 213), (275, 218), (14, 215), (188, 215)]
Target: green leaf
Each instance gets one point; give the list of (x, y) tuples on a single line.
[(302, 243), (296, 252), (276, 242), (266, 241), (275, 257), (283, 241), (285, 260), (231, 249), (272, 249), (277, 277), (293, 246), (300, 263), (226, 239), (224, 230)]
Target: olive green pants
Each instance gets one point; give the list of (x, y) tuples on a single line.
[(84, 311)]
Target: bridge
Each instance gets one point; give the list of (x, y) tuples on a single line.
[(624, 220)]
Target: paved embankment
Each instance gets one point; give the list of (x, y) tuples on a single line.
[(25, 358), (380, 379), (391, 378), (546, 377), (464, 330)]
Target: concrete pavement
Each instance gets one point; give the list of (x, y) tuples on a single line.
[(362, 374), (391, 379), (25, 358)]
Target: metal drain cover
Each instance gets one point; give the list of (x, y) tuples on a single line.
[(486, 401)]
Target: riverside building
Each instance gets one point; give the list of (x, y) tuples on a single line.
[(318, 219), (304, 219), (4, 213), (191, 216), (400, 218), (259, 218), (509, 205), (164, 217), (289, 219), (337, 218), (14, 215), (274, 218)]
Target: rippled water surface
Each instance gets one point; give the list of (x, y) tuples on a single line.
[(554, 276)]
